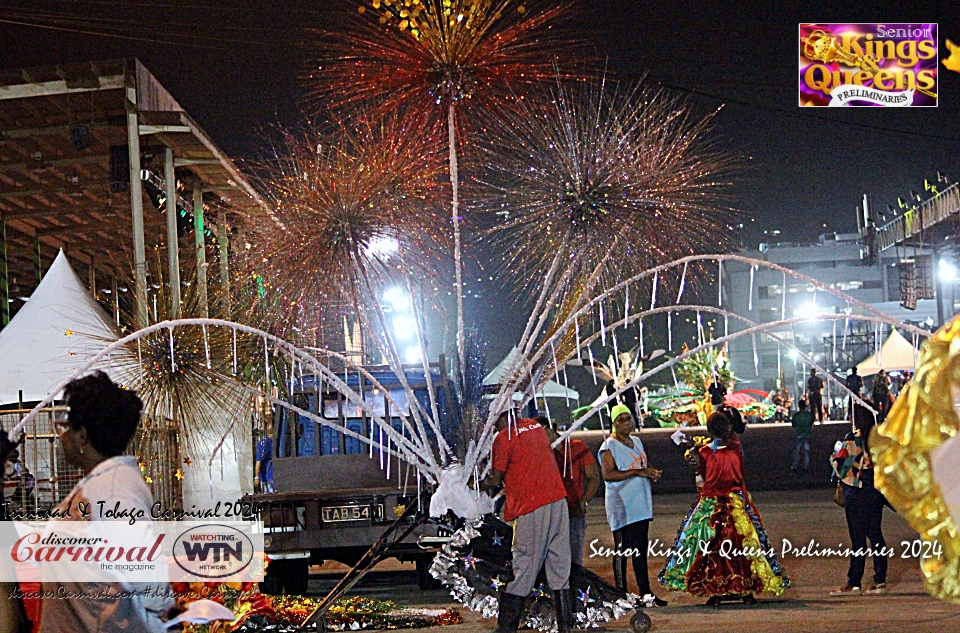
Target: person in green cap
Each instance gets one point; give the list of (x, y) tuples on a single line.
[(629, 501)]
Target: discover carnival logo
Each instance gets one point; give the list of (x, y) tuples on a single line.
[(213, 551), (868, 65), (118, 551)]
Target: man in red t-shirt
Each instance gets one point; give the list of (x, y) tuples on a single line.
[(581, 479), (523, 462)]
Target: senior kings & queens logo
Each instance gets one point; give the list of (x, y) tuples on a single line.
[(868, 65)]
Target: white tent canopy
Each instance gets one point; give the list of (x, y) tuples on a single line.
[(551, 389), (896, 354), (59, 328)]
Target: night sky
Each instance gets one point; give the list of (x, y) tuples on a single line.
[(234, 66)]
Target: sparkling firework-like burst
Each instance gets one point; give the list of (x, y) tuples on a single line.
[(415, 55), (354, 209), (604, 181), (421, 53), (588, 185), (192, 402)]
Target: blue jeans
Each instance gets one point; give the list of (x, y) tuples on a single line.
[(801, 454), (864, 510), (578, 534)]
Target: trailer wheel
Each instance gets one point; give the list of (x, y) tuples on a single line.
[(425, 581), (297, 577), (640, 622), (272, 584)]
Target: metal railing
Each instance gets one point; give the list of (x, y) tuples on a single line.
[(913, 222), (45, 478), (40, 457)]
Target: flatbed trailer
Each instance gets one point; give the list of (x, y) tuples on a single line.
[(335, 497)]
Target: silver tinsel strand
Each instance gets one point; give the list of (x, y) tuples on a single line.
[(539, 616)]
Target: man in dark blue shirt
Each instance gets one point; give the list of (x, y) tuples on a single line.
[(815, 395), (802, 422), (854, 384), (263, 474)]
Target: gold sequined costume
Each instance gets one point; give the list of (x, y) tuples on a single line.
[(922, 420)]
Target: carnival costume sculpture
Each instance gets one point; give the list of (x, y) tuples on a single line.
[(476, 564)]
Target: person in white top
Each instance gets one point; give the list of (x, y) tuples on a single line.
[(101, 420), (13, 618), (629, 501)]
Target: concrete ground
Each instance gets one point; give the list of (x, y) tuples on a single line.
[(798, 516)]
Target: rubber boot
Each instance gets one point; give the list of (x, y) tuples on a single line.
[(511, 608), (564, 606)]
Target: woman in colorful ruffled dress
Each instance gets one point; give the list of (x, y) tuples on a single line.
[(722, 550)]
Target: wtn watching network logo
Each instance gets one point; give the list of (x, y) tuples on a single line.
[(213, 551), (868, 65)]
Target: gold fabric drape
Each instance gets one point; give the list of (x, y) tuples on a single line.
[(922, 419)]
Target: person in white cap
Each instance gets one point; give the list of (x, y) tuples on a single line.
[(629, 501)]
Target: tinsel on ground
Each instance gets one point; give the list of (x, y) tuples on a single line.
[(476, 564), (258, 613), (368, 613)]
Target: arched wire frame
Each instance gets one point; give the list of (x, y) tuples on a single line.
[(587, 306), (411, 447), (535, 368), (413, 444), (753, 329)]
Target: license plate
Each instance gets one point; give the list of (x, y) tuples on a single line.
[(346, 513)]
